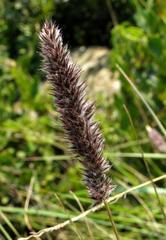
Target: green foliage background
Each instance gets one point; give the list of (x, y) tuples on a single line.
[(31, 138)]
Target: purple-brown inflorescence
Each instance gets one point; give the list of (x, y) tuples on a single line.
[(75, 111)]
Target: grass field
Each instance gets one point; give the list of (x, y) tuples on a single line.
[(41, 184)]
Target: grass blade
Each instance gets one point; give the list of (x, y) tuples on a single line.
[(163, 130)]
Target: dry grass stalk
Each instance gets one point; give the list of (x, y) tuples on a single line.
[(91, 210)]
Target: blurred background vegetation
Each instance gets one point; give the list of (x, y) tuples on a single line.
[(33, 152)]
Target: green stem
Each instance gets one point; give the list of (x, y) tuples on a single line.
[(111, 220), (135, 155)]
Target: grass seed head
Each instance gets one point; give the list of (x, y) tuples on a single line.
[(76, 112)]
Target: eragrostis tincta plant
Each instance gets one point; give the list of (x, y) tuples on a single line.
[(76, 113)]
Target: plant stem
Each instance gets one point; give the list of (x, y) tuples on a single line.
[(111, 220)]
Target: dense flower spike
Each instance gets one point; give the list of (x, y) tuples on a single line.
[(75, 111)]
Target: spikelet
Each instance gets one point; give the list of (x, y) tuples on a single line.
[(156, 139), (75, 111)]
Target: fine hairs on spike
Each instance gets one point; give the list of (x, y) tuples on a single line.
[(76, 113)]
